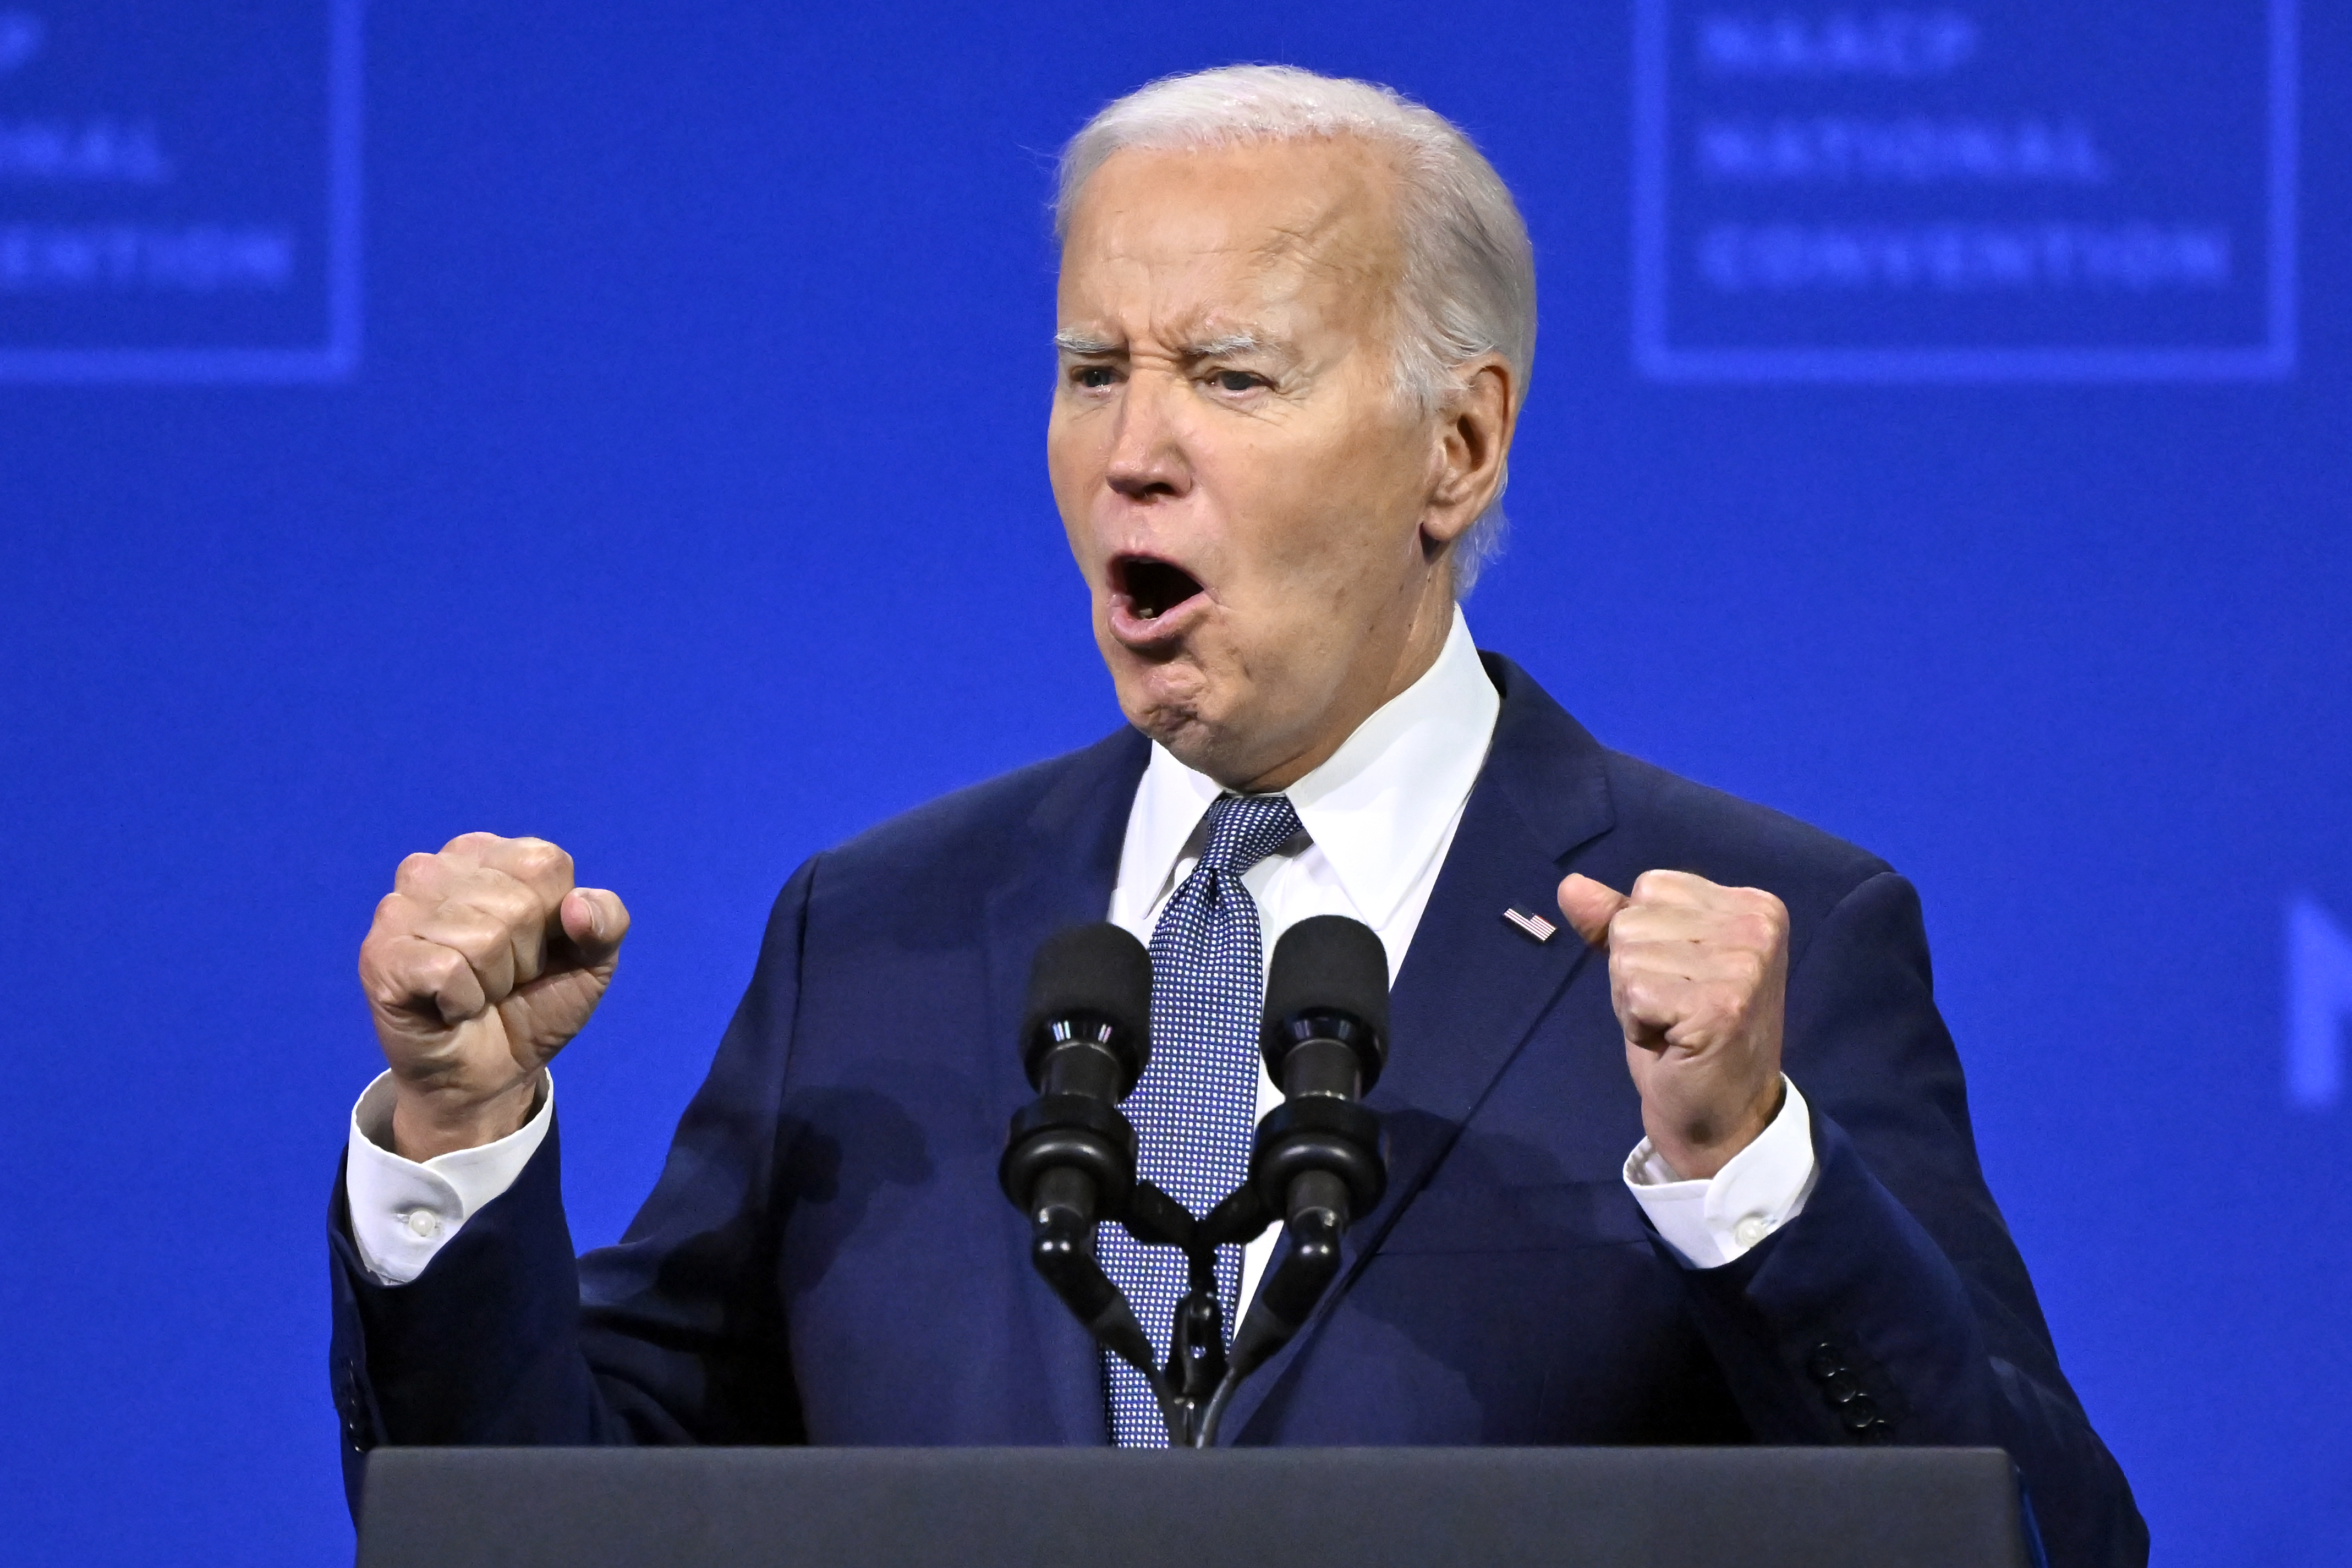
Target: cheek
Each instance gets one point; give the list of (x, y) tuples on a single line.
[(1334, 514), (1061, 455), (1072, 470), (1076, 435)]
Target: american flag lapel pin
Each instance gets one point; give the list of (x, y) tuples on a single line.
[(1535, 926)]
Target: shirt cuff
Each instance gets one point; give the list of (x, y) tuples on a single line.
[(1761, 1188), (403, 1213)]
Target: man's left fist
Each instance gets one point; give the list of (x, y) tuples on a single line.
[(1699, 977)]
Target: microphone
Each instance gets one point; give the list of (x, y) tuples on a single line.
[(1325, 1042), (1320, 1160), (1069, 1155), (1327, 1009), (1087, 1028)]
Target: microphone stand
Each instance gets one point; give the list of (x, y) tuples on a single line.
[(1198, 1383), (1319, 1160)]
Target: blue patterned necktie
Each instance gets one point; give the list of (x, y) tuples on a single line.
[(1196, 1108)]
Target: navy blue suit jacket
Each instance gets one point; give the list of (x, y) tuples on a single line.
[(827, 1259)]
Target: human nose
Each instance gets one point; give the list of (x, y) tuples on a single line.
[(1147, 455)]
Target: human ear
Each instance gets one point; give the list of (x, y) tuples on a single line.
[(1473, 448)]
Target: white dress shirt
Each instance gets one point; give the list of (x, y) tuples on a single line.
[(1377, 819)]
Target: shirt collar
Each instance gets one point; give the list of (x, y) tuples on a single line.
[(1379, 807)]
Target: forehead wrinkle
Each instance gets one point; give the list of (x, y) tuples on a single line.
[(1208, 327), (1359, 190), (1359, 178), (1326, 241)]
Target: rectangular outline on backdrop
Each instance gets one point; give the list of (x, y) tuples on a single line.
[(332, 360), (1655, 357)]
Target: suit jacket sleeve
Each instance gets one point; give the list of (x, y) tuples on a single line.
[(1895, 1307), (673, 1336)]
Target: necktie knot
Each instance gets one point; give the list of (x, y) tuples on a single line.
[(1244, 829)]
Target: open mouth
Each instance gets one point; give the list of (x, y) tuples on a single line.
[(1152, 588)]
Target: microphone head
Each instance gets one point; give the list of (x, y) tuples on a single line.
[(1330, 964), (1091, 976)]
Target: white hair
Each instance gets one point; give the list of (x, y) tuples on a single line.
[(1469, 283)]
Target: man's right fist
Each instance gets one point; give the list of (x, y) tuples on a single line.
[(483, 961)]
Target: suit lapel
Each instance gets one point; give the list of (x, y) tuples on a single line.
[(1474, 985), (1065, 864)]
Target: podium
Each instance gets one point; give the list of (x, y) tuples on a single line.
[(1100, 1508)]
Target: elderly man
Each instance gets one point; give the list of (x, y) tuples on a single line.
[(1296, 322)]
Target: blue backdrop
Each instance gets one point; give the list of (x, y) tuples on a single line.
[(629, 430)]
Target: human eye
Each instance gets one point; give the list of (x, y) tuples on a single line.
[(1236, 382), (1093, 378)]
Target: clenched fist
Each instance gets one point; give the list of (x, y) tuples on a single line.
[(1699, 977), (483, 961)]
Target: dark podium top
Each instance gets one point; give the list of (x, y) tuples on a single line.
[(1100, 1508)]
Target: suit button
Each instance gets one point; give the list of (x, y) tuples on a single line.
[(1824, 1363), (1858, 1414), (1842, 1387)]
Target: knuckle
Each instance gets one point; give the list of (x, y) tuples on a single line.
[(439, 972), (447, 965), (486, 947), (473, 934), (1662, 883), (414, 969), (535, 859), (497, 898), (1632, 924), (469, 948)]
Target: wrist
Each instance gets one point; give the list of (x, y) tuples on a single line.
[(426, 1123), (1699, 1146)]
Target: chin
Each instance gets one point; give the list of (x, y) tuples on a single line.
[(1175, 722), (1169, 703), (1203, 740)]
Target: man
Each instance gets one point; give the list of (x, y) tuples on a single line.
[(1296, 322)]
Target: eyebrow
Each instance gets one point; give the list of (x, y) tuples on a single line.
[(1231, 344), (1086, 345)]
